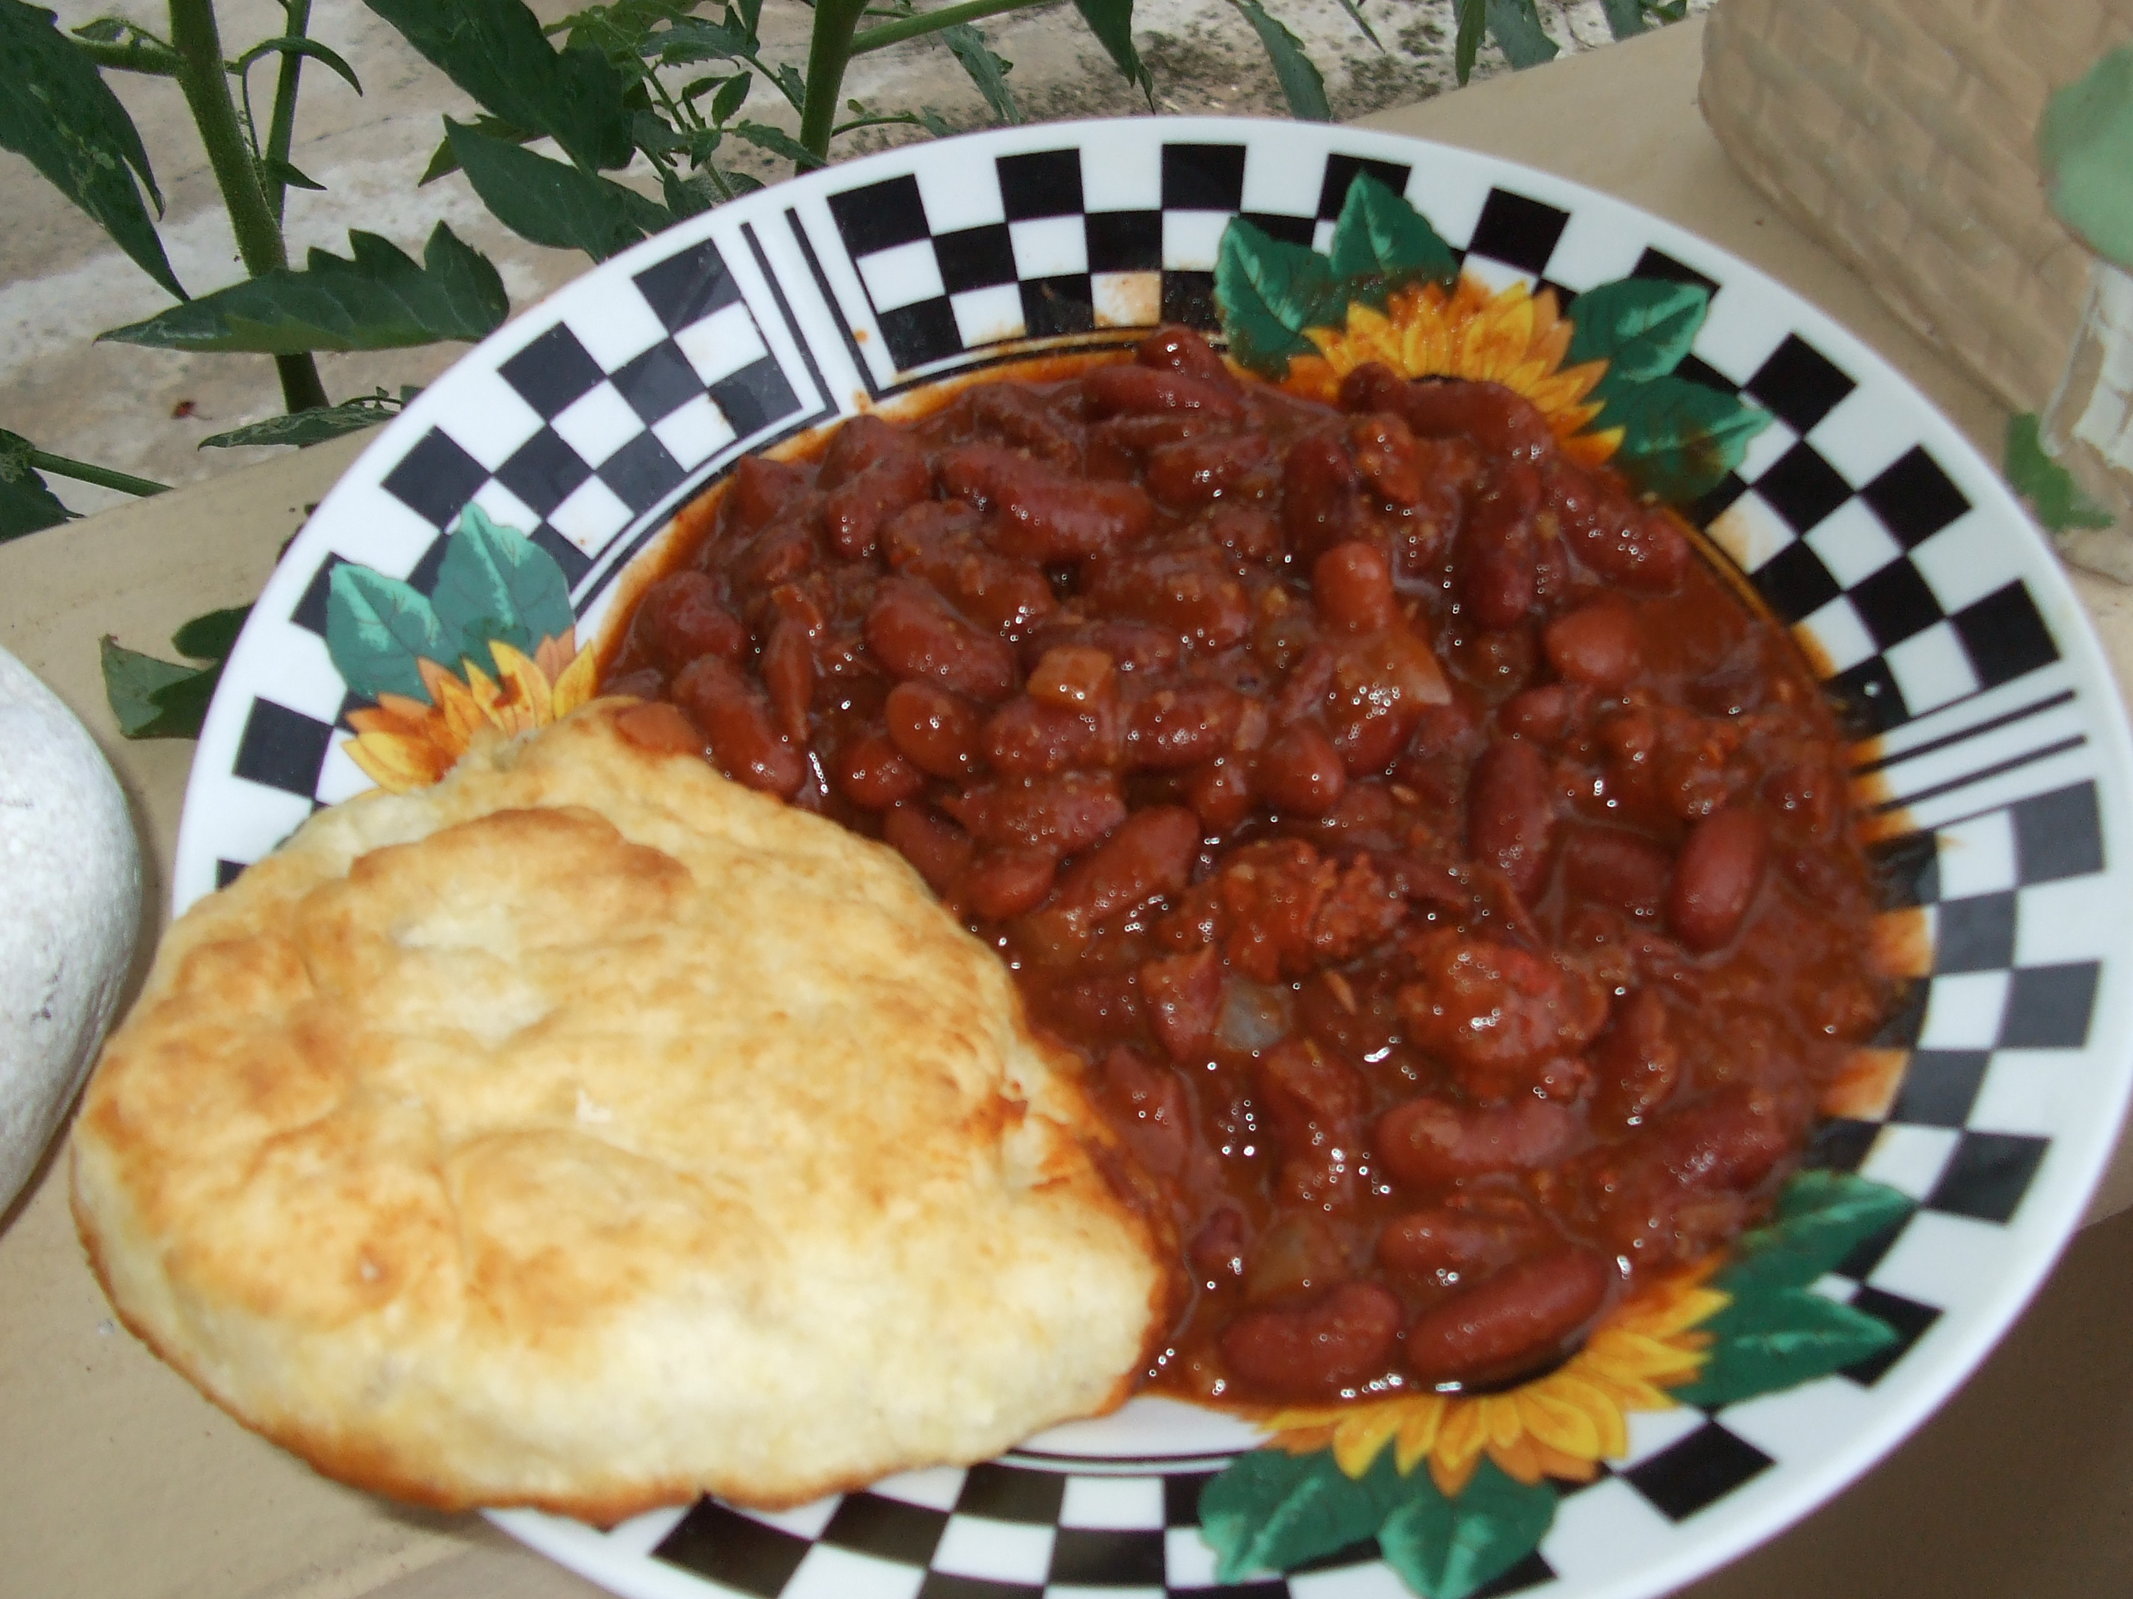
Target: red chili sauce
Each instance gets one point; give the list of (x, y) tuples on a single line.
[(1446, 877)]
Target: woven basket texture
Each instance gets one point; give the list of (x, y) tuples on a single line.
[(1902, 133)]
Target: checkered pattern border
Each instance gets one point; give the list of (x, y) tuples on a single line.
[(1980, 733)]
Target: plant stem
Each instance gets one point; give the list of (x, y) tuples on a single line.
[(932, 21), (827, 54), (207, 94), (102, 476), (281, 126)]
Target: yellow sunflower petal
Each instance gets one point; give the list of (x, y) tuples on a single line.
[(397, 763), (556, 652), (1610, 1428), (577, 683), (524, 700), (1460, 1436), (1359, 1439), (1518, 1458), (1552, 1412), (1418, 1430)]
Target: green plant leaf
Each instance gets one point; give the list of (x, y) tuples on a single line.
[(1268, 292), (495, 51), (288, 174), (1382, 243), (1679, 438), (377, 627), (295, 45), (57, 111), (1473, 28), (2058, 501), (1516, 27), (2085, 146), (777, 142), (378, 300), (151, 698), (1112, 23), (27, 503), (1297, 74), (986, 70), (692, 39), (497, 585), (1271, 1510), (1446, 1548), (301, 428), (1822, 1216), (1641, 327), (1778, 1338), (552, 202), (731, 96), (443, 163), (1624, 17), (1355, 15)]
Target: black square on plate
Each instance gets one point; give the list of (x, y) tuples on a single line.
[(1658, 264), (575, 563), (1715, 501), (1940, 1086), (227, 872), (2005, 636), (2058, 835), (688, 286), (1108, 1557), (1799, 384), (1914, 497), (282, 748), (552, 371), (543, 471), (1012, 1493), (1343, 170), (1043, 183), (1868, 698), (1975, 934), (758, 394), (1841, 1144), (2049, 1007), (1906, 1317), (658, 382), (1181, 1497), (874, 1524), (1988, 1175), (1203, 177), (947, 1585), (879, 216), (916, 334), (733, 1549), (1795, 583), (1189, 297), (310, 612), (975, 258), (435, 478), (1906, 870), (1900, 1029), (1518, 231), (1699, 1470), (1530, 1572), (1802, 487), (1052, 306), (1895, 603), (1125, 241), (641, 473), (1278, 225)]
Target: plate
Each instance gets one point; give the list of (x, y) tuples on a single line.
[(1997, 765)]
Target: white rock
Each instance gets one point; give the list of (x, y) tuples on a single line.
[(70, 909)]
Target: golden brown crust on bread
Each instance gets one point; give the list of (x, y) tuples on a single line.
[(590, 1132)]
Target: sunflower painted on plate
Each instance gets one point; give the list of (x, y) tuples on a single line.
[(402, 743)]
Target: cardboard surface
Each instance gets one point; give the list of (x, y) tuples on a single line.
[(117, 1481)]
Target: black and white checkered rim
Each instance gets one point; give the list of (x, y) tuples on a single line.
[(1862, 517)]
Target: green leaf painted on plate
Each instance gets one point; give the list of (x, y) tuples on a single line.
[(1769, 1339), (377, 298), (2058, 501), (1267, 293), (552, 202), (1445, 1548), (1272, 1510), (1679, 439), (1641, 327), (1822, 1217), (497, 585), (1382, 243), (377, 627)]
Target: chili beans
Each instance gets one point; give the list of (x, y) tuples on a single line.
[(1380, 803)]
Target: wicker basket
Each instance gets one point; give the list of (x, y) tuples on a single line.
[(1902, 134)]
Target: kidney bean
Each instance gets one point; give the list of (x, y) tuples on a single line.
[(1216, 1252), (1063, 814), (1496, 551), (1010, 413), (1616, 867), (1180, 349), (1150, 854), (776, 555), (1137, 390), (1307, 1091), (1043, 515), (1545, 715), (1321, 493), (1732, 1138), (1373, 386), (916, 634), (861, 443), (788, 672), (1502, 421), (937, 731), (1715, 877), (1351, 588), (1596, 644), (1157, 1120), (1220, 792), (1315, 1351), (935, 846), (1188, 592), (1300, 772), (854, 511), (1636, 1061), (1133, 646), (1641, 549), (1244, 530), (1510, 1322), (1029, 738), (756, 492), (1004, 883), (1432, 1143), (1386, 455), (871, 773), (1182, 995), (1448, 1244), (682, 617), (1183, 726), (1193, 473), (1510, 813), (736, 720)]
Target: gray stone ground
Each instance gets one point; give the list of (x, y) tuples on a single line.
[(145, 411)]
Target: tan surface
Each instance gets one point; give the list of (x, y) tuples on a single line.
[(116, 1481)]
